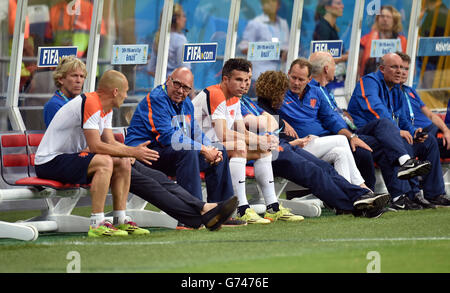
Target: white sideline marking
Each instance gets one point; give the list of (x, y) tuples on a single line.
[(82, 243)]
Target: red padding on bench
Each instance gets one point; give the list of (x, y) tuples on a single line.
[(35, 181), (15, 160), (249, 171), (119, 137), (14, 140), (34, 139)]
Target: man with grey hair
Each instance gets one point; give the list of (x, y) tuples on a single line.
[(375, 99), (69, 78), (376, 134)]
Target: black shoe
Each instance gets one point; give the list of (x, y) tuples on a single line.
[(214, 218), (371, 200), (420, 200), (441, 200), (413, 168), (373, 213), (232, 222), (404, 203)]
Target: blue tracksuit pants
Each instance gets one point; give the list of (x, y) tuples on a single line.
[(303, 168), (186, 165), (383, 137)]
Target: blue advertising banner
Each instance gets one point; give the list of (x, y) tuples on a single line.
[(332, 47), (199, 53), (437, 46), (50, 56)]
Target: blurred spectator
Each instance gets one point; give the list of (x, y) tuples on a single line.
[(387, 25), (327, 12), (177, 41), (267, 27), (27, 67), (69, 25)]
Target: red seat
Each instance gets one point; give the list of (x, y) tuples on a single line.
[(13, 140), (14, 157), (17, 156), (34, 139), (249, 172), (119, 137), (35, 181)]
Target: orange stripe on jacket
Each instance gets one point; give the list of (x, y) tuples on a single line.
[(367, 101), (150, 117), (92, 105)]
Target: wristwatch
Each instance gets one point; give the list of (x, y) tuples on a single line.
[(353, 135)]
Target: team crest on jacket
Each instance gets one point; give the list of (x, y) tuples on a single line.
[(232, 113), (313, 102), (412, 95)]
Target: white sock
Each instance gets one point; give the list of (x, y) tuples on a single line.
[(403, 159), (264, 178), (119, 217), (237, 171), (97, 219)]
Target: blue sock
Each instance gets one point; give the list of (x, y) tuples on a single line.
[(241, 209), (275, 207)]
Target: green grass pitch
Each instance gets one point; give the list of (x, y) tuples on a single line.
[(397, 242)]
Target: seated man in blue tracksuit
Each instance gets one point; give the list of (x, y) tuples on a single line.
[(305, 109), (166, 118), (420, 115), (380, 134), (300, 166), (376, 96)]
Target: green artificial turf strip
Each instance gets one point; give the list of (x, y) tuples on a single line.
[(409, 241)]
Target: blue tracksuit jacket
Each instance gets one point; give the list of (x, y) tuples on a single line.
[(413, 107), (165, 123), (311, 114), (372, 99)]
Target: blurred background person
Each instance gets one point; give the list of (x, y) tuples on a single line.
[(388, 25), (326, 29), (267, 27), (177, 41)]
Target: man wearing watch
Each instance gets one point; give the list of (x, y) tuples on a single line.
[(380, 134)]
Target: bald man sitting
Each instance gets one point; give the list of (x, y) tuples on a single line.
[(90, 155), (165, 117)]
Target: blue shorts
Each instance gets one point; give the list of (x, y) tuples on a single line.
[(67, 168)]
